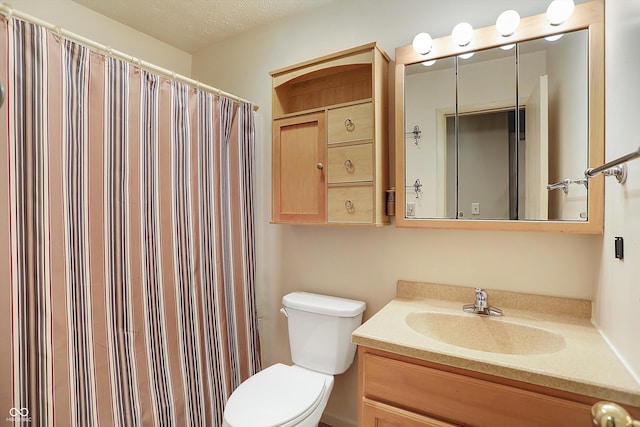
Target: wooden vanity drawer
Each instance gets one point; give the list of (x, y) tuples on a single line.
[(465, 400), (352, 123), (350, 204), (378, 414), (351, 163)]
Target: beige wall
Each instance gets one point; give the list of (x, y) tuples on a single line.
[(78, 19), (617, 308), (366, 263)]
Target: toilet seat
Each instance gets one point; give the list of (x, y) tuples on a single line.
[(280, 395)]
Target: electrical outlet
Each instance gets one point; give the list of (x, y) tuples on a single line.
[(475, 208), (411, 209)]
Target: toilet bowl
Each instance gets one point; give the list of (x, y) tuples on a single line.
[(281, 396), (320, 329)]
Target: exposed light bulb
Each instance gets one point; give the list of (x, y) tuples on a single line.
[(507, 23), (554, 37), (429, 63), (422, 43), (462, 34), (467, 55), (559, 11), (508, 46)]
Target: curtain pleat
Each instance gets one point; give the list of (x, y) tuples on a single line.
[(121, 329), (157, 333), (29, 222), (73, 252), (184, 256), (6, 257), (127, 241)]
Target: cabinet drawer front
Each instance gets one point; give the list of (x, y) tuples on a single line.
[(352, 204), (351, 123), (469, 401), (351, 163), (376, 414)]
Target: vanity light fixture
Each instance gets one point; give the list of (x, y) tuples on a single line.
[(554, 37), (467, 55), (507, 23), (462, 34), (559, 11), (429, 63), (508, 46), (422, 43)]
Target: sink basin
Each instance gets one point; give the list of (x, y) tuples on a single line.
[(485, 333)]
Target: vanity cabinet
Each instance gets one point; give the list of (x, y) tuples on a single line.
[(330, 139), (397, 390)]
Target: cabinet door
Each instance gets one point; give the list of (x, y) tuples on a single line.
[(376, 414), (299, 153)]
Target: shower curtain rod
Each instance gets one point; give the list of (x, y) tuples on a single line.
[(8, 11)]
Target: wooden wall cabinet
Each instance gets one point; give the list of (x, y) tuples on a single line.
[(399, 391), (330, 139)]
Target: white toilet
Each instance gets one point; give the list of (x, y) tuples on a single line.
[(320, 330)]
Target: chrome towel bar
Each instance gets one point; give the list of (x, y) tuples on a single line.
[(616, 167)]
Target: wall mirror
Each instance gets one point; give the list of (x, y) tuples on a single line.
[(497, 135)]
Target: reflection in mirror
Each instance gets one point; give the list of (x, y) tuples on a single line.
[(563, 91), (430, 94), (475, 167), (487, 187)]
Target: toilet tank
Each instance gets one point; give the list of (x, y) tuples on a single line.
[(320, 328)]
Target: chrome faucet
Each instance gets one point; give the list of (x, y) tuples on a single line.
[(481, 306)]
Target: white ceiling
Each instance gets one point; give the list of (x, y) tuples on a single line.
[(193, 24)]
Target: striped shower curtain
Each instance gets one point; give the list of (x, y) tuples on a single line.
[(126, 241)]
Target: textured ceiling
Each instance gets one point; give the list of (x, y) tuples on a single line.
[(193, 24)]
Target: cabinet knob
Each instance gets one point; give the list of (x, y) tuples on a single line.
[(348, 164), (349, 125), (348, 205), (320, 166)]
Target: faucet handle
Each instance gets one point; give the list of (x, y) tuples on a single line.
[(481, 299), (481, 305)]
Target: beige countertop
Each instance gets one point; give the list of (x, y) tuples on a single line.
[(583, 364)]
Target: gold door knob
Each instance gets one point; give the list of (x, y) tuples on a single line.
[(320, 166), (608, 414)]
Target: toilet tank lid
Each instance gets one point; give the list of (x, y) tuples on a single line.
[(323, 304)]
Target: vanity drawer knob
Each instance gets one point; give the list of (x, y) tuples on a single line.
[(349, 125), (320, 166), (348, 165), (348, 204)]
